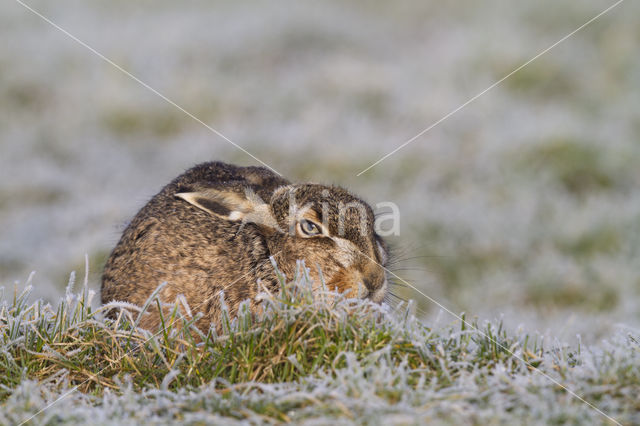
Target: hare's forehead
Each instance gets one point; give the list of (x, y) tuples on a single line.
[(326, 204), (332, 207), (311, 192), (355, 215)]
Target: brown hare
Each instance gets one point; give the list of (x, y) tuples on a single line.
[(214, 229)]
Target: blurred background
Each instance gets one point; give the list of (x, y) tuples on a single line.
[(524, 206)]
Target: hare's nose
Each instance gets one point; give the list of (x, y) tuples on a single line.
[(373, 281), (376, 284)]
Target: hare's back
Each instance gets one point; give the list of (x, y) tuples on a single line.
[(260, 179)]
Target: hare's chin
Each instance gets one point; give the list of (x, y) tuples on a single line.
[(378, 295)]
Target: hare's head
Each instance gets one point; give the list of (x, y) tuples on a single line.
[(326, 226)]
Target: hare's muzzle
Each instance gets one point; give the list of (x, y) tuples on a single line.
[(375, 281)]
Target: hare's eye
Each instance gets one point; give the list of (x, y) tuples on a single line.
[(309, 228)]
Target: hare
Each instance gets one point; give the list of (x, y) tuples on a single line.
[(214, 228)]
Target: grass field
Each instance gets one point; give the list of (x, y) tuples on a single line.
[(522, 209), (311, 358)]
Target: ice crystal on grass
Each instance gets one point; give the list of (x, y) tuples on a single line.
[(308, 357)]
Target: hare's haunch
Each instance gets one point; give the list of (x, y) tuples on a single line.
[(215, 227)]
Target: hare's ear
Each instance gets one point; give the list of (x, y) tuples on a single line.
[(232, 205)]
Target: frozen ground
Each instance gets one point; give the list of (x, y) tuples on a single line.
[(525, 204)]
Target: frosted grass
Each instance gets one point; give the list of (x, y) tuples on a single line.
[(493, 200), (463, 376)]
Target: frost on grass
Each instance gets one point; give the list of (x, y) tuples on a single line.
[(308, 357)]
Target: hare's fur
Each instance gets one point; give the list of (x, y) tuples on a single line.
[(214, 228)]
